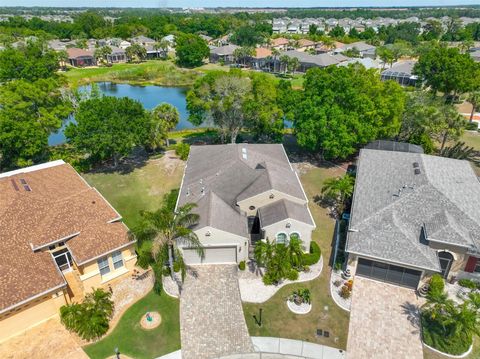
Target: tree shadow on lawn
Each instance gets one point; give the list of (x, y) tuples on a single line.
[(137, 159)]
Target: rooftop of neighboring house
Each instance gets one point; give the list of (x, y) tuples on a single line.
[(224, 50), (367, 62), (280, 41), (206, 37), (217, 177), (262, 52), (74, 52), (401, 68), (42, 205), (359, 45), (142, 39), (305, 43), (405, 199), (321, 60)]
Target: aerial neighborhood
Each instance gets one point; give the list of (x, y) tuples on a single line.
[(222, 182)]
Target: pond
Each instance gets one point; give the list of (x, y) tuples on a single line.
[(150, 96)]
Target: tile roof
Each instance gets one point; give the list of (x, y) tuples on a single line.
[(217, 177), (392, 206), (261, 53), (279, 41), (74, 52), (59, 205)]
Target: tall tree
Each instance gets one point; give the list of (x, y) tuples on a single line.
[(474, 99), (136, 52), (339, 190), (164, 118), (191, 50), (344, 108), (108, 127), (166, 228), (29, 112), (447, 70)]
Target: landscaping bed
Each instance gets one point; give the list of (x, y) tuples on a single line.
[(136, 342), (277, 319), (433, 336)]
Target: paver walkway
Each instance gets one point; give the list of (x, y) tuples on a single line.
[(384, 322), (212, 323)]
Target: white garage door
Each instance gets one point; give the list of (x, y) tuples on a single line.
[(212, 255)]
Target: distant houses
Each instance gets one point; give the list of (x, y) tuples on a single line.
[(401, 72)]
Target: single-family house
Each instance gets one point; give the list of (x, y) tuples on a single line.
[(401, 72), (80, 57), (142, 40), (60, 45), (364, 49), (261, 58), (279, 44), (244, 193), (366, 62), (59, 239), (223, 54), (305, 45), (307, 61), (413, 215), (116, 42)]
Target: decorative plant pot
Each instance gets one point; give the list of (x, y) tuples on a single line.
[(346, 274), (297, 300)]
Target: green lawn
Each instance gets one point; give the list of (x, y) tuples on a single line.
[(139, 189), (134, 341), (278, 321), (154, 72), (472, 139)]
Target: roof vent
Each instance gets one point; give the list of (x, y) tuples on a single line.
[(188, 191), (26, 187), (14, 184), (417, 171), (415, 165), (203, 191), (244, 153)]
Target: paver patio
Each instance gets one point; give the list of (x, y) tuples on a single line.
[(384, 322), (212, 323)]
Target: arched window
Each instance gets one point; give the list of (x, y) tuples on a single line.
[(281, 238), (295, 235)]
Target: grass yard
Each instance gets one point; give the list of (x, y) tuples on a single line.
[(278, 321), (154, 72), (472, 139), (132, 340), (141, 188)]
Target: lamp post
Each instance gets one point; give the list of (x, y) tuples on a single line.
[(117, 353)]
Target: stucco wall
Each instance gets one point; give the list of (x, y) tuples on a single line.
[(30, 314), (90, 273), (264, 199), (303, 229), (218, 238)]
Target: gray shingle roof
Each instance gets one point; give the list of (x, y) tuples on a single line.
[(233, 173), (392, 204), (224, 50), (321, 60), (284, 209)]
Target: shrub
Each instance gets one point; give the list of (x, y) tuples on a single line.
[(345, 292), (471, 126), (437, 285), (90, 318), (292, 275), (144, 254), (241, 265), (182, 150), (314, 255), (468, 283), (349, 284), (166, 271), (176, 267), (337, 283)]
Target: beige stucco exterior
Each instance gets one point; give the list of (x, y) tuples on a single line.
[(289, 226), (80, 280), (32, 313)]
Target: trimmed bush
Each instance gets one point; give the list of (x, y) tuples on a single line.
[(182, 150), (292, 275), (468, 283), (437, 285), (314, 255), (176, 267), (241, 265)]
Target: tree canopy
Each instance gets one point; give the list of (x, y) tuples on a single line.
[(29, 112), (343, 108), (191, 50), (108, 127)]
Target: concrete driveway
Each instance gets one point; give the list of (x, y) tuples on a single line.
[(211, 316), (384, 322)]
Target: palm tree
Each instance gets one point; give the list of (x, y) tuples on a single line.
[(461, 151), (165, 228), (161, 46), (165, 117), (295, 252), (275, 55), (465, 320), (474, 99), (263, 252), (284, 60), (293, 64), (451, 124), (339, 190)]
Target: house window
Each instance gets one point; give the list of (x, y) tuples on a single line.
[(117, 259), (477, 267), (103, 266), (294, 235), (281, 238)]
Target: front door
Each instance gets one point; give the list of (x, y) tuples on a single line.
[(446, 260), (63, 259)]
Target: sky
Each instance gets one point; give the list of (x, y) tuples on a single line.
[(234, 3)]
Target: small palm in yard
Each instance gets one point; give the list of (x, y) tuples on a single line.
[(159, 232), (90, 318), (461, 151), (339, 190)]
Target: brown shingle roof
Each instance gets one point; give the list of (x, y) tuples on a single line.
[(279, 41), (261, 52), (59, 205), (74, 52)]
